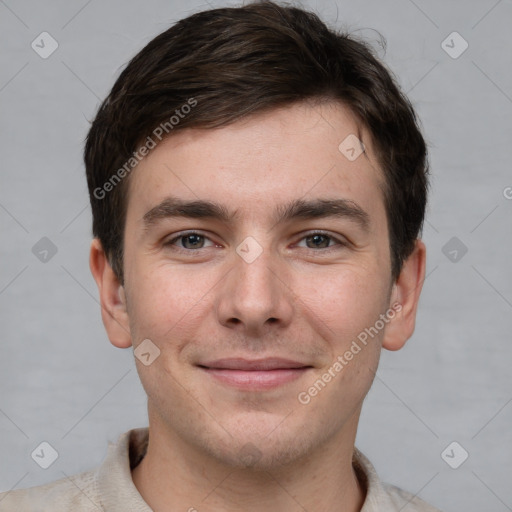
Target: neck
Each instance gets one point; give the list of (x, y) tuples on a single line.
[(174, 475)]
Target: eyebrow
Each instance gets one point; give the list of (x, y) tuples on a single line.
[(175, 207), (298, 209)]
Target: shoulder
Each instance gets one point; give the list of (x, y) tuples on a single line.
[(77, 493), (407, 502), (107, 487), (383, 497)]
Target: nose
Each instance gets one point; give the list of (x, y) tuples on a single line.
[(255, 295)]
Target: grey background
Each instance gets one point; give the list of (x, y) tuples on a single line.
[(60, 379)]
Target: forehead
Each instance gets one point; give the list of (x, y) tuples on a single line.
[(300, 151)]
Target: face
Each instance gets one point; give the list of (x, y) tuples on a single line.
[(253, 293)]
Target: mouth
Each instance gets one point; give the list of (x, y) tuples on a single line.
[(255, 374)]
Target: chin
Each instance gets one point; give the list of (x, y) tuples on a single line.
[(265, 451)]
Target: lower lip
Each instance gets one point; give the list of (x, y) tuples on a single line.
[(256, 379)]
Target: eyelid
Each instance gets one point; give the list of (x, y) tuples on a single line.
[(177, 236), (340, 240)]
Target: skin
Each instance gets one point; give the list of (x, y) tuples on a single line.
[(294, 300)]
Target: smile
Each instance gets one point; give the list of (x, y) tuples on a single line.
[(254, 375)]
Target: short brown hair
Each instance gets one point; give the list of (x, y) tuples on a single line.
[(237, 61)]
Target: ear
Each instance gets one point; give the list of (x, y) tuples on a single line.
[(112, 297), (406, 292)]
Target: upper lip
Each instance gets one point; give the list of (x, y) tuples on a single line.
[(239, 363)]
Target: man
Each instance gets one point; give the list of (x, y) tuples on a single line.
[(258, 185)]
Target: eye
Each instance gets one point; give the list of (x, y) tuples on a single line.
[(189, 241), (320, 240)]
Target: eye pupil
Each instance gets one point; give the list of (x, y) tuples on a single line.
[(319, 240), (194, 240)]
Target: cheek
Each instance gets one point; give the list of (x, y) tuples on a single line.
[(348, 304), (343, 301), (166, 299), (168, 311)]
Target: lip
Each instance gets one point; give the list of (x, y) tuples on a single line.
[(255, 374), (240, 363)]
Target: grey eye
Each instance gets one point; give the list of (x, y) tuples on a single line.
[(318, 241), (192, 241)]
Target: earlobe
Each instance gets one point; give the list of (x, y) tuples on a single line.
[(112, 297), (406, 292)]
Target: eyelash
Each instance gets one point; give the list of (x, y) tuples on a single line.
[(307, 235)]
